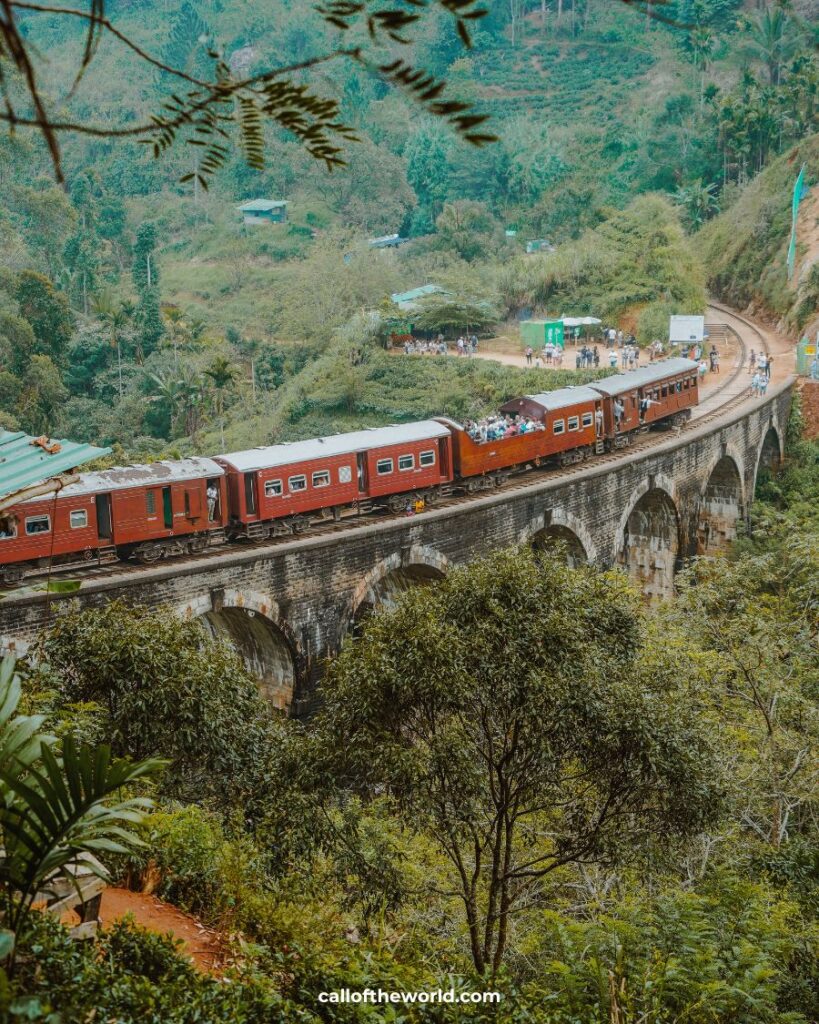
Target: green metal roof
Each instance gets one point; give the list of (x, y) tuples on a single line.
[(417, 293), (23, 464), (262, 205)]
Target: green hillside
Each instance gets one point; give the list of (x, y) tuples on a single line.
[(745, 248)]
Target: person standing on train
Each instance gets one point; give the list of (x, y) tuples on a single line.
[(212, 496), (619, 409), (598, 422)]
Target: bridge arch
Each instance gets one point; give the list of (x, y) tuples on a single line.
[(559, 526), (770, 453), (418, 565), (252, 623), (649, 537), (722, 503)]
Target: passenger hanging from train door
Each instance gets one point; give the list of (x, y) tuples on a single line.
[(598, 422), (645, 405), (619, 409), (212, 496)]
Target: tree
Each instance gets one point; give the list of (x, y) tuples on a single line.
[(41, 396), (55, 806), (772, 40), (517, 754), (169, 689), (222, 374), (210, 109), (144, 269), (116, 317), (150, 328), (466, 227), (47, 311)]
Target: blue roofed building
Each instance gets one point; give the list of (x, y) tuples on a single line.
[(264, 211)]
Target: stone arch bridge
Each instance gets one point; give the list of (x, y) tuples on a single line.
[(288, 605)]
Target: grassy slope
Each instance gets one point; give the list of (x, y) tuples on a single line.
[(745, 247)]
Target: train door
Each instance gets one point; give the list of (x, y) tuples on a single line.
[(167, 508), (250, 494), (443, 457), (361, 460), (104, 531)]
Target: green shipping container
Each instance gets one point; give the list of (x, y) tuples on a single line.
[(538, 333)]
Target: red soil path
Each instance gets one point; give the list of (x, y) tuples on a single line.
[(203, 945)]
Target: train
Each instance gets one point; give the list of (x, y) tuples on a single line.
[(145, 513)]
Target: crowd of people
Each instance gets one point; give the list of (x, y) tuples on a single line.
[(552, 355), (498, 426), (466, 345)]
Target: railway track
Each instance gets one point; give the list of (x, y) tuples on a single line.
[(702, 415)]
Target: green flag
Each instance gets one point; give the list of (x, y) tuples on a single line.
[(797, 195)]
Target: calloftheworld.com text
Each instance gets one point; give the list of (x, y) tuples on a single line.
[(380, 995)]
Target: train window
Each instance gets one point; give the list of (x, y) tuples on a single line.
[(38, 524), (588, 419), (8, 528), (321, 478), (150, 503), (679, 385), (559, 426), (297, 483), (345, 474), (273, 488), (664, 391), (574, 423), (383, 466), (406, 462), (78, 519), (427, 458)]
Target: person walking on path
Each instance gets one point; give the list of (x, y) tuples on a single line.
[(768, 362), (752, 362), (755, 385), (529, 354), (763, 385)]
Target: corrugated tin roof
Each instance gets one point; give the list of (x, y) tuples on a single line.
[(155, 473), (23, 464), (336, 444), (262, 205), (417, 293), (559, 399), (644, 375)]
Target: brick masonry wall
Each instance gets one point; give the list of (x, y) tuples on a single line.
[(809, 393)]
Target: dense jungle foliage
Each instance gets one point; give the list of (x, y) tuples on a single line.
[(137, 309)]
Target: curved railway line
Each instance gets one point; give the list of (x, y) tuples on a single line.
[(707, 411)]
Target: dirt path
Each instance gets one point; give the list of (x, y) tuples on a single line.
[(203, 945)]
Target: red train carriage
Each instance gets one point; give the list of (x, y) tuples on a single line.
[(142, 511), (664, 391), (280, 489)]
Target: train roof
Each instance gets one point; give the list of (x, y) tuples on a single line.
[(651, 374), (156, 474), (563, 397), (336, 444)]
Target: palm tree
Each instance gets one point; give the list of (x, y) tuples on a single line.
[(56, 808), (169, 391), (222, 374), (772, 40), (116, 317), (177, 331)]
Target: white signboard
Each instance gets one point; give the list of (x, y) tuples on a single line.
[(686, 328)]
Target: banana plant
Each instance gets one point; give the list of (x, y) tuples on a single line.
[(56, 807)]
